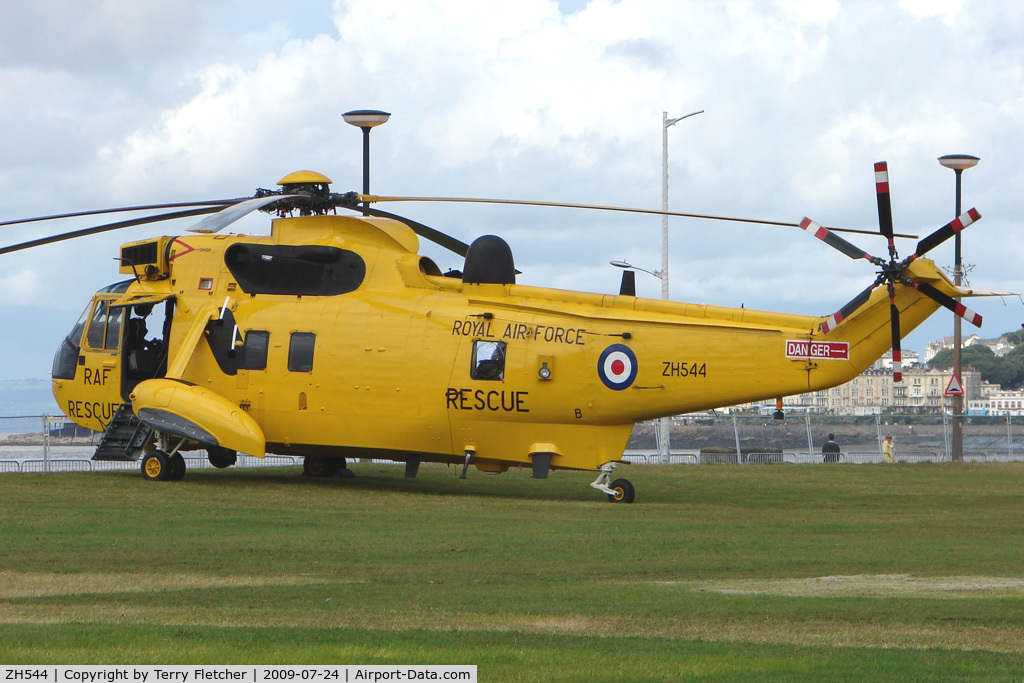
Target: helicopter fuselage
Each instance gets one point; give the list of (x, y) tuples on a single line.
[(333, 336)]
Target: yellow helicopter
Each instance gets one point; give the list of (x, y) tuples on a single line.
[(333, 338)]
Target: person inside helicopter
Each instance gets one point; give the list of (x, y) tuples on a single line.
[(145, 358)]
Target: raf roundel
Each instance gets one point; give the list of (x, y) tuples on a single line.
[(617, 367)]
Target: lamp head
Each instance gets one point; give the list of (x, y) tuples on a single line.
[(959, 162), (366, 118)]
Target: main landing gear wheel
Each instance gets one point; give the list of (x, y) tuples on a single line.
[(221, 457), (322, 466), (619, 491), (177, 467), (156, 466)]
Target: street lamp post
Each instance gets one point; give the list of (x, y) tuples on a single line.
[(664, 424), (959, 163), (666, 123), (366, 119), (626, 264)]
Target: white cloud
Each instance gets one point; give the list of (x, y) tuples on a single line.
[(946, 10), (117, 102)]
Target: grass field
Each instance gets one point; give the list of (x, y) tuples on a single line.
[(716, 573)]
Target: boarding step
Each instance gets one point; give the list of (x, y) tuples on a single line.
[(125, 437)]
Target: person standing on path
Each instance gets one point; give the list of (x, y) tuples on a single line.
[(830, 451), (887, 449)]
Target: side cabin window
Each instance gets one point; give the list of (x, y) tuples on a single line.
[(105, 327), (488, 360), (254, 350), (300, 352)]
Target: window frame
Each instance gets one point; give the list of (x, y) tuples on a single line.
[(301, 344), (490, 374), (249, 350)]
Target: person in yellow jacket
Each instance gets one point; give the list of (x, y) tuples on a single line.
[(887, 449)]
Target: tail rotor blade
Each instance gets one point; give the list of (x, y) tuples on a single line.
[(892, 271), (843, 313), (946, 231), (884, 204), (897, 352), (835, 241), (947, 301)]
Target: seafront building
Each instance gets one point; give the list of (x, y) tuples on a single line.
[(998, 402), (922, 392)]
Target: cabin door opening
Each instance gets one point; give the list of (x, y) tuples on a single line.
[(144, 344)]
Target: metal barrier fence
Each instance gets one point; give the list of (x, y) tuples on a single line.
[(50, 444), (759, 439), (191, 462)]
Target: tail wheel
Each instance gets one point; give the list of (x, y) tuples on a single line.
[(321, 466), (156, 466), (624, 492)]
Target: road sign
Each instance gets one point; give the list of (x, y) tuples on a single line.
[(954, 388)]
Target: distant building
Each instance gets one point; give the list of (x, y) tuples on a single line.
[(998, 403), (922, 391), (910, 358), (999, 345)]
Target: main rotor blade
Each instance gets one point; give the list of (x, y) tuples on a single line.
[(946, 301), (599, 207), (232, 213), (946, 231), (884, 204), (122, 209), (425, 231), (105, 228), (897, 352), (835, 241)]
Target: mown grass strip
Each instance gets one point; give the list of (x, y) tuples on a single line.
[(727, 573), (503, 656)]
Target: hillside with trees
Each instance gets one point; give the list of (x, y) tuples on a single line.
[(1007, 371)]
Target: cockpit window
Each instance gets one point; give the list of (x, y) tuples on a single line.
[(116, 288), (488, 360), (105, 327), (110, 339), (76, 332), (65, 362)]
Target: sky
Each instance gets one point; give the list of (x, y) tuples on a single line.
[(116, 102)]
